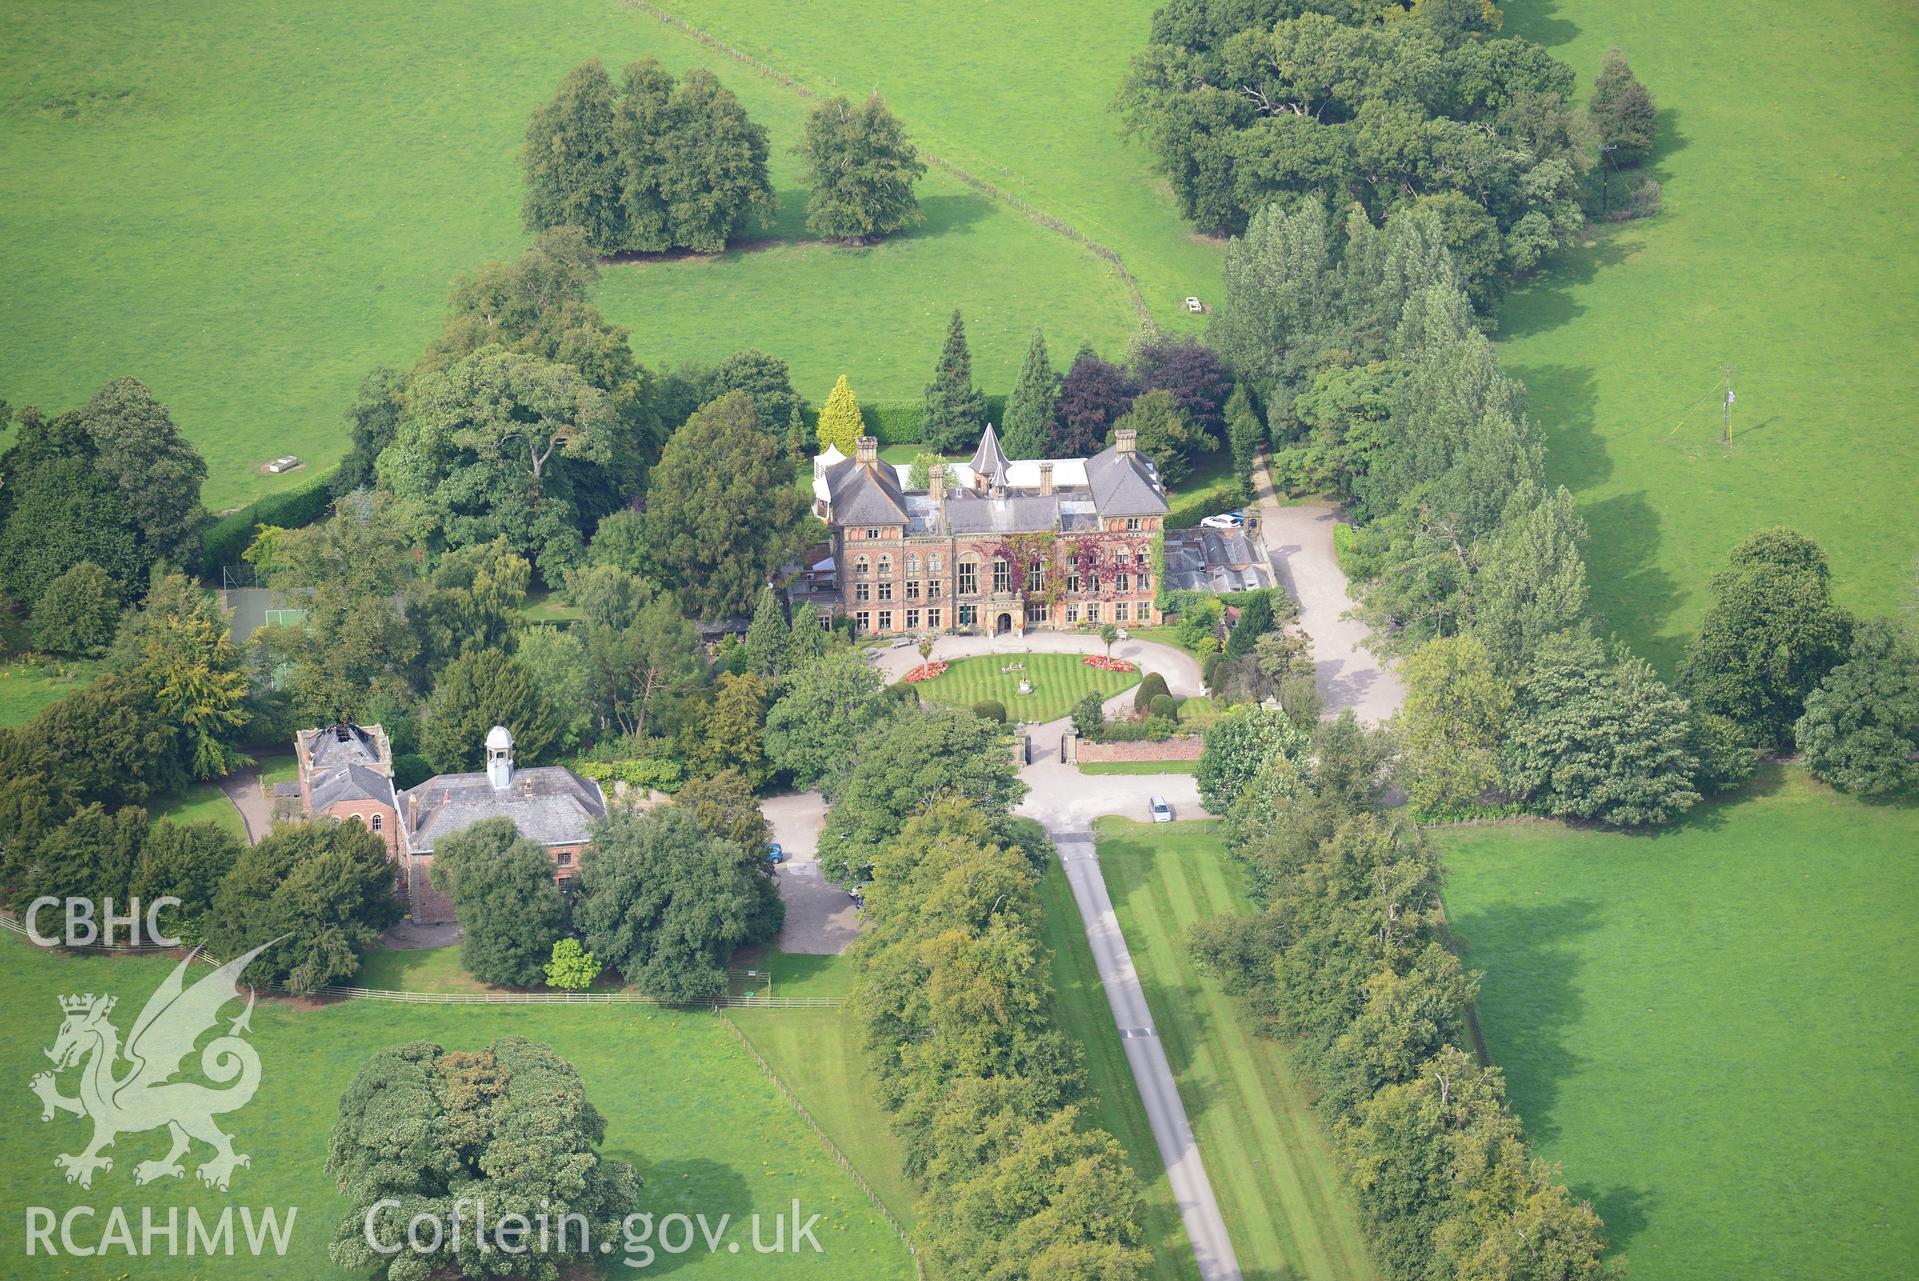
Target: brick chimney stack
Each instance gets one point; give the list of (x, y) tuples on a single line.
[(1125, 440), (1046, 480), (866, 451), (936, 483)]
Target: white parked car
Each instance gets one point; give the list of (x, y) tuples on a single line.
[(1162, 812), (287, 463), (1225, 520)]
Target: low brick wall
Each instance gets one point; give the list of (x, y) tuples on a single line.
[(1183, 747)]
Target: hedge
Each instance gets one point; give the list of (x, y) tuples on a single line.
[(900, 422), (228, 536)]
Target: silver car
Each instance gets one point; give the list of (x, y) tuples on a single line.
[(1162, 812)]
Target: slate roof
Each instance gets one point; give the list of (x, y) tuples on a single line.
[(864, 496), (1124, 484), (549, 804), (1012, 514), (350, 782), (336, 745), (989, 460), (1215, 561)]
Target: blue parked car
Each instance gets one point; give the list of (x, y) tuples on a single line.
[(774, 854)]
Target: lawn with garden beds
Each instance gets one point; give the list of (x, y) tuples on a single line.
[(1058, 680)]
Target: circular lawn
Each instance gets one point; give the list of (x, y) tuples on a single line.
[(1059, 681)]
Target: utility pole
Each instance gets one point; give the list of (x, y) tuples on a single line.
[(1725, 410)]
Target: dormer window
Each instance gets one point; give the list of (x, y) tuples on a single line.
[(872, 532), (1132, 522)]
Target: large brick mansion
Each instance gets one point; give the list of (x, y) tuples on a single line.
[(993, 545)]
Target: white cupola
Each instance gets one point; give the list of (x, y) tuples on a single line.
[(499, 757)]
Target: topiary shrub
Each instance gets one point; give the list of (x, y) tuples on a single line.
[(1162, 707), (1209, 668), (1152, 686), (990, 709)]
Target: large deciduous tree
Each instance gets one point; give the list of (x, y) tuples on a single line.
[(181, 644), (1239, 746), (510, 909), (77, 613), (347, 574), (633, 671), (1456, 708), (828, 716), (913, 763), (723, 514), (428, 1132), (1164, 434), (157, 474), (692, 166), (1092, 397), (1772, 634), (955, 409), (667, 904), (1860, 731), (1596, 739), (483, 452), (572, 162), (861, 170), (323, 889)]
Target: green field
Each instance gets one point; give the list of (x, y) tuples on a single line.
[(1081, 1011), (1059, 681), (1785, 250), (250, 208), (1712, 1028), (1017, 95), (707, 1131), (1265, 1150)]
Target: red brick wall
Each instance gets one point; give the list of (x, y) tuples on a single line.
[(1184, 747), (365, 811)]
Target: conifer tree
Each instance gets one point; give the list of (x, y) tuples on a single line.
[(1029, 410), (768, 637), (1625, 113), (955, 409), (840, 422)]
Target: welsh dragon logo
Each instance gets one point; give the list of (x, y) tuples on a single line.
[(144, 1097)]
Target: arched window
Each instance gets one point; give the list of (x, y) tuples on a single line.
[(886, 567), (933, 564), (862, 566), (376, 822), (912, 564)]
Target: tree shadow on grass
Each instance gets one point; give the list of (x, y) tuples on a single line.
[(1529, 998), (1546, 301), (691, 1188), (1540, 22), (1632, 593)]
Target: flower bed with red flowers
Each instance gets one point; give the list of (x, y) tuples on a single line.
[(924, 672), (1106, 664)]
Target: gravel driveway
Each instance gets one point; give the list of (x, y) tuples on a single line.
[(820, 918), (1299, 539)]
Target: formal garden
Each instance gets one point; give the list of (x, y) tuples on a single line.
[(1032, 688)]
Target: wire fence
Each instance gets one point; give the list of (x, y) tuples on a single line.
[(833, 1148), (343, 992)]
